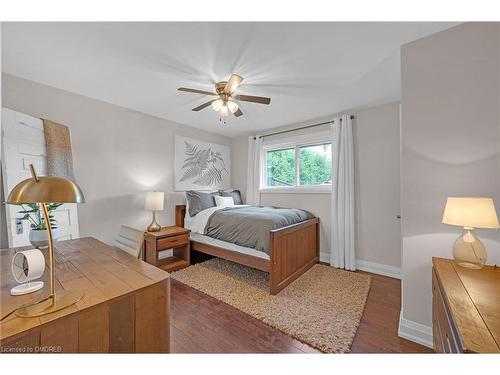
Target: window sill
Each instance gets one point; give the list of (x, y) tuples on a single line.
[(297, 190)]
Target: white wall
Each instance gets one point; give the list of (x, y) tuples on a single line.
[(376, 160), (118, 154), (450, 147), (377, 146)]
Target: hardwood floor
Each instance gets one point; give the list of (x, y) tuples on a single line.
[(202, 324), (378, 330)]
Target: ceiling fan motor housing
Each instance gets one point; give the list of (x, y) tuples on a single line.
[(219, 87)]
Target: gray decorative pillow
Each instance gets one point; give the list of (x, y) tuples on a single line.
[(198, 201), (235, 194)]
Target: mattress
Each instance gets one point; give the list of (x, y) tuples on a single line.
[(198, 237)]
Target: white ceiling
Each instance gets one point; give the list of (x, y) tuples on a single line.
[(310, 70)]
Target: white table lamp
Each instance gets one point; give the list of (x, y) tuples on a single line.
[(470, 213), (154, 202)]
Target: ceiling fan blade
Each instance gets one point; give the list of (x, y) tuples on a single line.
[(232, 84), (204, 105), (238, 113), (196, 91), (253, 99)]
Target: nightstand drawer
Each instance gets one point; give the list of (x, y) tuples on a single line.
[(170, 242)]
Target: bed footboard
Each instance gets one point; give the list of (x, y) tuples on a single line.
[(293, 249)]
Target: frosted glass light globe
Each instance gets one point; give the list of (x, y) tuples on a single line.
[(217, 105), (233, 107), (223, 111)]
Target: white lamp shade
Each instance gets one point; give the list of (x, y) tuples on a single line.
[(154, 200), (470, 212)]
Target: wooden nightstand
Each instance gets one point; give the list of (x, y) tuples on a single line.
[(173, 237)]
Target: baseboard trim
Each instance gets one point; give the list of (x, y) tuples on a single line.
[(416, 332), (324, 257), (378, 268), (363, 265)]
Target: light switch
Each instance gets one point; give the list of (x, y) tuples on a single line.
[(19, 226)]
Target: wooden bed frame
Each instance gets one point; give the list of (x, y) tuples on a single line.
[(293, 250)]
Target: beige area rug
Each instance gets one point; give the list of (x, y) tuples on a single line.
[(322, 308)]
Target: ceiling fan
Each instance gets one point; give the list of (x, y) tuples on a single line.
[(225, 102)]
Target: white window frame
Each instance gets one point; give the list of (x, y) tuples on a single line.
[(293, 142)]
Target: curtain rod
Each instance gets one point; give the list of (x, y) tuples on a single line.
[(303, 127)]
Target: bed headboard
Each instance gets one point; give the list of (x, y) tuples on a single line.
[(180, 212)]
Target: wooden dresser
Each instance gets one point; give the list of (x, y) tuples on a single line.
[(465, 308), (125, 307)]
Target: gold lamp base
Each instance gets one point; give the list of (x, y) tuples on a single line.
[(154, 226), (59, 301)]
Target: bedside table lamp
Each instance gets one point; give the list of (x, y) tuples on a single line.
[(470, 213), (154, 202), (43, 190)]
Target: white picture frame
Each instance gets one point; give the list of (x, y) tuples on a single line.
[(201, 165)]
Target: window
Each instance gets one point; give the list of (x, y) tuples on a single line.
[(315, 164), (280, 167), (301, 164)]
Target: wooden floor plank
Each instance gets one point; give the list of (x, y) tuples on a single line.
[(226, 329), (202, 324)]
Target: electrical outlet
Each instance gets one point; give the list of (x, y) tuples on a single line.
[(19, 226)]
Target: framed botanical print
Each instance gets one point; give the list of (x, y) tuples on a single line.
[(201, 165)]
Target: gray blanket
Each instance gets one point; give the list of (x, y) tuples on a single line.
[(250, 226)]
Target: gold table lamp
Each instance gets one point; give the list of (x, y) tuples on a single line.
[(45, 190), (154, 202)]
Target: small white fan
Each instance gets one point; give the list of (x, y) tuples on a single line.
[(27, 266)]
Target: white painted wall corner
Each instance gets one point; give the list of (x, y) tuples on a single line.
[(416, 332)]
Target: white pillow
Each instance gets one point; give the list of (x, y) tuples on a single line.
[(224, 201)]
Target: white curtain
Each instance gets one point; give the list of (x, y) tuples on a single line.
[(253, 170), (342, 252)]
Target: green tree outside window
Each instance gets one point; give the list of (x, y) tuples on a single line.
[(315, 166)]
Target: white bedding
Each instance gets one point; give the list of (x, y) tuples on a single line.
[(197, 226)]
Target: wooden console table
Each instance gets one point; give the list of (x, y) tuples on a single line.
[(465, 308), (125, 309)]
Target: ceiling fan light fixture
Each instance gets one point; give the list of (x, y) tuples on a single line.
[(223, 111), (224, 104), (217, 105), (233, 107)]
